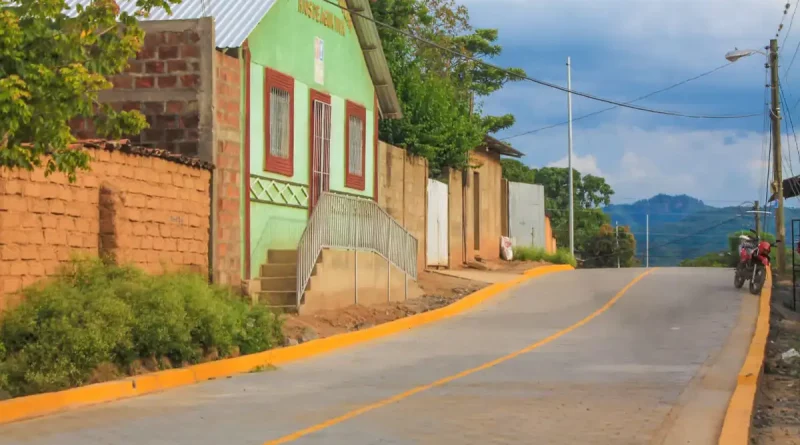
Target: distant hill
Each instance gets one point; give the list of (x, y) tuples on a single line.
[(683, 227)]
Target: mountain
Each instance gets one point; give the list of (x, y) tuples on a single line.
[(683, 227)]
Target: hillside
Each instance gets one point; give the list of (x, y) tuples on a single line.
[(684, 227)]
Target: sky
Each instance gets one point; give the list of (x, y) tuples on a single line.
[(623, 49)]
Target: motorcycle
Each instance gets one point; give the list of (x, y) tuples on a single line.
[(753, 262)]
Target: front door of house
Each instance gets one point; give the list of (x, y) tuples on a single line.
[(320, 147)]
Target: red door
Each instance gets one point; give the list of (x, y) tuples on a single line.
[(320, 146)]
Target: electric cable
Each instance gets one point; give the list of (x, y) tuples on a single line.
[(532, 79)]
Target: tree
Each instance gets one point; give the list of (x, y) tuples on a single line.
[(441, 118), (516, 171), (606, 246), (52, 66)]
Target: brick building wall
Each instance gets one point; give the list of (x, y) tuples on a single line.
[(170, 82), (143, 210), (228, 178)]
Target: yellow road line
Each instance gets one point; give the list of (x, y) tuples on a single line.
[(739, 416), (404, 395)]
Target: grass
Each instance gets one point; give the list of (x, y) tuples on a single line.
[(561, 256), (95, 322)]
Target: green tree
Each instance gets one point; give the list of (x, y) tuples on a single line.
[(516, 171), (606, 246), (437, 91), (52, 67)]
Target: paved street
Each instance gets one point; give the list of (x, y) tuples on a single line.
[(656, 367)]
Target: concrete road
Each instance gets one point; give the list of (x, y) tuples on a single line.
[(656, 366)]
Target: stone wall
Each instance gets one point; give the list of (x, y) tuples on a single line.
[(403, 192), (142, 210), (170, 82)]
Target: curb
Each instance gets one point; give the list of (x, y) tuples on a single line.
[(739, 416), (50, 403)]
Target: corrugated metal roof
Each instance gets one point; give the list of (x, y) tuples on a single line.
[(234, 20)]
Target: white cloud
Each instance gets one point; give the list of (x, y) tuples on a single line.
[(587, 165), (715, 165)]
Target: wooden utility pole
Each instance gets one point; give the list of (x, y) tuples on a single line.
[(777, 156), (758, 220)]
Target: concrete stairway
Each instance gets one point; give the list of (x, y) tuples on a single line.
[(277, 281)]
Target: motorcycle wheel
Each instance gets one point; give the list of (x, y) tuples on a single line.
[(758, 280), (738, 278)]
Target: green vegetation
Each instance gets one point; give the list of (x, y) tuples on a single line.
[(562, 256), (607, 247), (439, 93), (713, 259), (96, 322), (52, 68)]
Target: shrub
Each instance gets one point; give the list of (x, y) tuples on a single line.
[(101, 315), (561, 256)]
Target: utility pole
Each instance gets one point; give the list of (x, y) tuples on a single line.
[(569, 160), (758, 220), (777, 156), (616, 233), (647, 241)]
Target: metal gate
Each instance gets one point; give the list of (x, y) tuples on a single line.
[(437, 252), (526, 214)]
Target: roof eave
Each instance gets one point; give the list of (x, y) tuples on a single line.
[(378, 68), (496, 146)]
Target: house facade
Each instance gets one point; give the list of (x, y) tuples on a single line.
[(311, 110), (282, 96)]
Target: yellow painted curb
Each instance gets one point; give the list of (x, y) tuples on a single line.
[(42, 404), (738, 418)]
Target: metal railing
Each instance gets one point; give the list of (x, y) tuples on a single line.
[(351, 223)]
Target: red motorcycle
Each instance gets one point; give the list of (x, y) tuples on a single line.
[(753, 262)]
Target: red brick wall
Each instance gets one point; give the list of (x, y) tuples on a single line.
[(142, 210), (165, 82), (228, 181)]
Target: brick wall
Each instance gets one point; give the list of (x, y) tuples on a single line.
[(403, 185), (170, 82), (455, 218), (228, 179), (142, 210)]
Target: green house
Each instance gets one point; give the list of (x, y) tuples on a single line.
[(316, 86)]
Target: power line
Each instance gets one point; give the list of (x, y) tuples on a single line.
[(532, 79), (615, 107), (791, 22)]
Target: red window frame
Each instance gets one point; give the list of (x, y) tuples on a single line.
[(352, 181), (376, 123), (275, 164)]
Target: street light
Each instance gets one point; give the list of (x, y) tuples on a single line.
[(737, 54), (775, 115)]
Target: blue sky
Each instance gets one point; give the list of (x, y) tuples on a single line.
[(623, 49)]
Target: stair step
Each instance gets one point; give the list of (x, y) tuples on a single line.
[(277, 298), (279, 283), (282, 256), (284, 309), (271, 270)]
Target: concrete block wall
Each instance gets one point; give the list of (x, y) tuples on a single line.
[(490, 172), (228, 180), (170, 81), (455, 231), (403, 183), (143, 210), (333, 285)]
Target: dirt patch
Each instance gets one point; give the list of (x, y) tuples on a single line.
[(777, 416), (440, 290)]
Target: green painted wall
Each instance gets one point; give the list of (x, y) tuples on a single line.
[(284, 41)]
